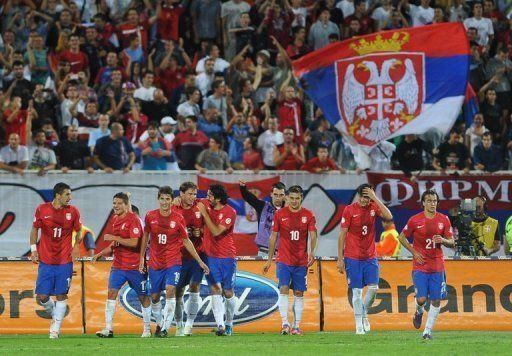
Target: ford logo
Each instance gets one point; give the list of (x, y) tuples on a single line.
[(256, 298)]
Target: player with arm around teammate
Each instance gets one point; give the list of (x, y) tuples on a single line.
[(430, 231), (165, 231), (295, 225), (54, 252), (357, 254)]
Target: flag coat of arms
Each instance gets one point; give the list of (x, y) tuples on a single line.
[(391, 83)]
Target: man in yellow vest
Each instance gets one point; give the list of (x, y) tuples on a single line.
[(389, 244), (508, 236), (485, 228), (88, 243)]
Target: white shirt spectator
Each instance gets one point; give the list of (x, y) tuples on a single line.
[(40, 157), (300, 16), (219, 66), (66, 118), (8, 155), (381, 16), (484, 27), (145, 94), (267, 141), (381, 156), (347, 7), (204, 82), (95, 135), (420, 15), (186, 109), (457, 14)]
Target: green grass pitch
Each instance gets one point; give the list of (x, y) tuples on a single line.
[(377, 342)]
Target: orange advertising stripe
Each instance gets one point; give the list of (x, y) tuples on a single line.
[(479, 297), (256, 308), (19, 312)]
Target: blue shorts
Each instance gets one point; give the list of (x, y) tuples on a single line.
[(54, 279), (362, 273), (136, 280), (222, 271), (429, 285), (295, 277), (160, 278), (191, 272)]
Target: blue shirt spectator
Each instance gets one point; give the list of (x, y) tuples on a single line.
[(488, 156), (114, 152)]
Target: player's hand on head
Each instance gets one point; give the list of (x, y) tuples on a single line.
[(341, 265), (370, 193)]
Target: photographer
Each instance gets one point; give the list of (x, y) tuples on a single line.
[(485, 228)]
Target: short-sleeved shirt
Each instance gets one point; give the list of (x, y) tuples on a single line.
[(57, 225), (222, 246), (293, 228), (127, 227), (193, 220), (360, 222), (113, 153), (9, 156), (166, 234), (422, 229), (79, 61)]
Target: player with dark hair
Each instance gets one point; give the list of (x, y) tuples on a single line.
[(430, 231), (54, 252), (265, 211), (126, 232), (165, 229), (295, 225), (220, 250), (357, 254), (191, 271)]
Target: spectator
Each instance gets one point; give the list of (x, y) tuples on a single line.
[(134, 26), (78, 59), (341, 153), (290, 111), (179, 95), (58, 28), (135, 121), (15, 119), (72, 153), (474, 133), (482, 24), (492, 112), (209, 123), (36, 57), (21, 86), (238, 130), (458, 11), (278, 22), (396, 21), (147, 91), (360, 14), (45, 103), (321, 29), (263, 76), (52, 139), (382, 14), (155, 150), (452, 154), (218, 101), (508, 237), (166, 131), (157, 108), (189, 144), (268, 141), (488, 157), (72, 99), (335, 12), (170, 74), (100, 132), (320, 136), (380, 157), (299, 47), (409, 154), (219, 64), (230, 16), (205, 79), (14, 157), (389, 245), (110, 93), (133, 53), (205, 19), (89, 118), (421, 15), (190, 107), (104, 75), (346, 6), (169, 16), (41, 158), (252, 157), (244, 35), (499, 68), (485, 228), (289, 155), (213, 158), (114, 152), (322, 163)]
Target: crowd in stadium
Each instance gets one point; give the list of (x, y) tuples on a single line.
[(207, 85)]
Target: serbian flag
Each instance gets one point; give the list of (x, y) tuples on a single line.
[(470, 108), (390, 83)]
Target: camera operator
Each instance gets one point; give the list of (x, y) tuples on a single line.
[(485, 228)]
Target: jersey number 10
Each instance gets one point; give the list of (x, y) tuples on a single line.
[(294, 235)]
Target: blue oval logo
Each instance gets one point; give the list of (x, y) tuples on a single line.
[(256, 296)]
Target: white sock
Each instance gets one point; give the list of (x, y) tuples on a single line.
[(49, 306), (192, 308), (156, 309), (298, 307), (431, 319), (146, 317), (218, 310), (420, 308), (283, 308), (59, 313), (178, 312), (110, 309), (369, 298), (170, 305), (230, 310), (357, 305)]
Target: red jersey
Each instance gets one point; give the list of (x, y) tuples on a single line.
[(193, 219), (221, 246), (168, 23), (126, 30), (135, 129), (17, 126), (290, 115), (293, 229), (422, 230), (171, 79), (360, 222), (128, 227), (57, 225), (289, 163), (166, 234), (79, 61), (315, 163)]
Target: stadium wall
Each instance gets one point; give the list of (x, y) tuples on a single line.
[(479, 298)]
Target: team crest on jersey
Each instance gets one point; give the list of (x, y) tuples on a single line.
[(441, 226), (173, 224), (228, 221), (372, 212), (68, 216), (136, 230), (198, 214), (304, 219)]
